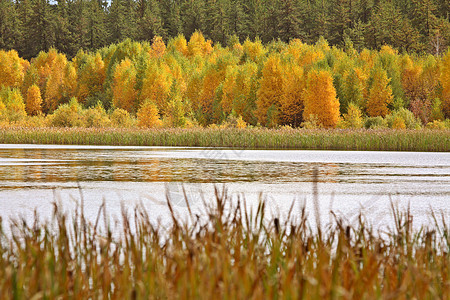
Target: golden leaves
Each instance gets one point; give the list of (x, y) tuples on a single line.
[(270, 91), (445, 82), (380, 94), (34, 100), (148, 116), (124, 82), (12, 69), (320, 99)]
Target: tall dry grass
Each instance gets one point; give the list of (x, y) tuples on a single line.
[(251, 138), (230, 252)]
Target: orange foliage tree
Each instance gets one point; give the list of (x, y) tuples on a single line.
[(420, 85), (411, 79), (179, 44), (124, 82), (214, 74), (49, 71), (253, 50), (228, 89), (380, 94), (320, 101)]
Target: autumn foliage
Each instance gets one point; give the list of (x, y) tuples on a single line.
[(123, 88), (320, 99), (148, 115), (380, 94), (270, 92), (34, 100), (192, 82), (445, 82)]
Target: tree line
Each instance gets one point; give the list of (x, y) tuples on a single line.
[(195, 82), (31, 26)]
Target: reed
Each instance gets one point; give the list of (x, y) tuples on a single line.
[(228, 252), (251, 138)]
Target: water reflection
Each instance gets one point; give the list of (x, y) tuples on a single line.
[(71, 165), (353, 180)]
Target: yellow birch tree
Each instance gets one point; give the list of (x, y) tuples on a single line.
[(34, 101), (124, 82), (445, 82), (380, 94), (320, 99), (148, 115), (270, 91), (291, 101)]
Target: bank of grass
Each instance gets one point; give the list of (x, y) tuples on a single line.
[(250, 138), (228, 252)]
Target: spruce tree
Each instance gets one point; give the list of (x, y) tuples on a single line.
[(9, 25), (39, 29), (289, 27), (97, 34), (149, 20), (171, 17), (121, 21), (78, 10), (193, 16), (217, 23), (64, 40), (340, 20), (236, 17)]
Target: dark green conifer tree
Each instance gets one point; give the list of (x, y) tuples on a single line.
[(10, 25), (149, 20), (39, 30), (289, 27), (193, 16), (97, 35)]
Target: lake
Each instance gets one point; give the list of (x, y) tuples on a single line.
[(32, 176)]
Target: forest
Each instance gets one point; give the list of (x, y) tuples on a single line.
[(31, 26), (227, 63)]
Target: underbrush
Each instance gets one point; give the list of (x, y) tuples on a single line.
[(249, 138), (229, 251)]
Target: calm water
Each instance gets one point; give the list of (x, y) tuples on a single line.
[(32, 176)]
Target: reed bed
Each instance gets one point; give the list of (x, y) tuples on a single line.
[(251, 138), (228, 252)]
